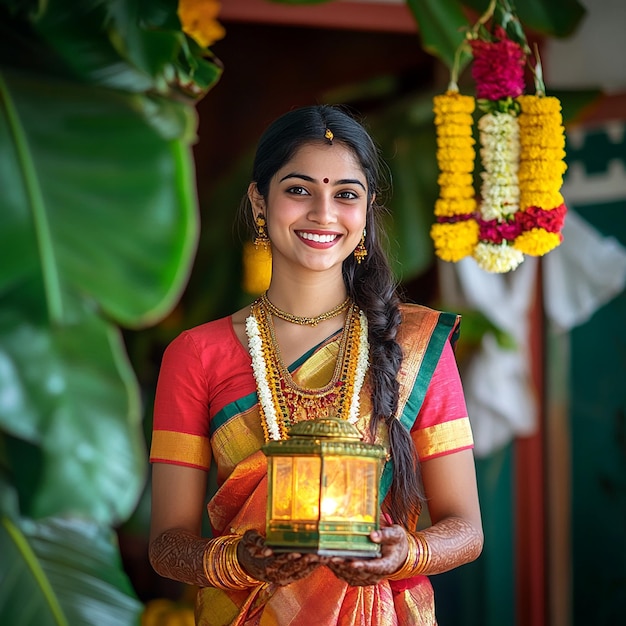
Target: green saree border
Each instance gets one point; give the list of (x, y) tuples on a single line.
[(447, 327), (244, 404)]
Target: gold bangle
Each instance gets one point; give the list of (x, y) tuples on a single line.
[(222, 568), (417, 558)]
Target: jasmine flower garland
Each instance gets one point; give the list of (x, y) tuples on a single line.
[(276, 395), (361, 369), (520, 210), (266, 401)]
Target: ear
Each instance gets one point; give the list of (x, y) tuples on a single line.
[(257, 202)]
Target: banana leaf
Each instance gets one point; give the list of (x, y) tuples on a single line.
[(99, 223), (62, 572), (442, 23), (83, 180), (128, 45)]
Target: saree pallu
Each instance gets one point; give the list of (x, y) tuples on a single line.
[(239, 504), (319, 599)]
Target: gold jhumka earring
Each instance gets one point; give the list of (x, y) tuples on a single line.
[(360, 252), (261, 240)]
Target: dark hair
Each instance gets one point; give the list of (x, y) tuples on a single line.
[(370, 284)]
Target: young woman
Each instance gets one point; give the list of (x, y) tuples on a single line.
[(331, 299)]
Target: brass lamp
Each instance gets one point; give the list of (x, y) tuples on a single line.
[(323, 490)]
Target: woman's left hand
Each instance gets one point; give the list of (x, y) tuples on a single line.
[(394, 550)]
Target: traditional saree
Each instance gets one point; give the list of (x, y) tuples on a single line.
[(206, 410)]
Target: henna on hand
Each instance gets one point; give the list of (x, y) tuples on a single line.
[(362, 572), (452, 541), (178, 554), (281, 569)]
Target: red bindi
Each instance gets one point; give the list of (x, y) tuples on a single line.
[(326, 180)]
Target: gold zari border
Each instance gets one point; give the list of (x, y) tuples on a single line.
[(442, 438), (180, 448)]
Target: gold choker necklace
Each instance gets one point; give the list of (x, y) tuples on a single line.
[(282, 401), (302, 320)]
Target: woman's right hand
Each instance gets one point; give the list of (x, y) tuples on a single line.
[(262, 563)]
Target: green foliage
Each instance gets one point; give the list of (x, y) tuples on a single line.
[(442, 24), (98, 228), (64, 573)]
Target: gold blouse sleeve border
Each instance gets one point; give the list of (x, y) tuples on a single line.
[(443, 438)]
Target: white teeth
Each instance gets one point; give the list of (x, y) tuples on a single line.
[(318, 238)]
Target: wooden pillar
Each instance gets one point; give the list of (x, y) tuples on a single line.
[(530, 483)]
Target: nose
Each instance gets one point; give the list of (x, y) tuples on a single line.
[(323, 210)]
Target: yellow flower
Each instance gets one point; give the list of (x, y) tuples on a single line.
[(460, 153), (451, 192), (530, 152), (544, 199), (539, 105), (164, 612), (455, 179), (543, 169), (456, 143), (453, 102), (464, 166), (527, 121), (454, 242), (463, 119), (542, 153), (198, 20), (454, 130), (537, 241), (457, 206)]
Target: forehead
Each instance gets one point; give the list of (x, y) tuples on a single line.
[(336, 160)]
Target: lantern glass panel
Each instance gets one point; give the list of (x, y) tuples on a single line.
[(282, 487), (306, 487), (349, 489)]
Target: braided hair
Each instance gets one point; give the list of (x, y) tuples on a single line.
[(370, 284)]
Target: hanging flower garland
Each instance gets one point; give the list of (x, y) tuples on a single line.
[(519, 210), (456, 232)]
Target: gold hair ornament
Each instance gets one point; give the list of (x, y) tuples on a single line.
[(329, 135)]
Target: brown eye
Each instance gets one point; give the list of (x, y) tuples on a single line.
[(347, 195), (297, 191)]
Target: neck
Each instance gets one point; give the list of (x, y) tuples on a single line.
[(307, 298)]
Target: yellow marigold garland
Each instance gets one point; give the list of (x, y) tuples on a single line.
[(456, 233), (520, 210), (541, 170)]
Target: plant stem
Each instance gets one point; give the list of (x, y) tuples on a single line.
[(49, 267)]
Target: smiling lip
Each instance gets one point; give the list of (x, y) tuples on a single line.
[(318, 240)]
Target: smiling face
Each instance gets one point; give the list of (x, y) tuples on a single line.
[(315, 208)]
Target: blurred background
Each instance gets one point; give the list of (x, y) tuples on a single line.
[(125, 148)]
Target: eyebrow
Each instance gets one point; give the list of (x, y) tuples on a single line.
[(309, 179)]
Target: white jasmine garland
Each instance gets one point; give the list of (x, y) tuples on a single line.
[(255, 346), (499, 137), (497, 258), (266, 401), (361, 369)]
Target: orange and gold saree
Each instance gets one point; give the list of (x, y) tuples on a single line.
[(206, 408)]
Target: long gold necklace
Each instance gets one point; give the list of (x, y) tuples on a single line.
[(303, 320), (282, 402)]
